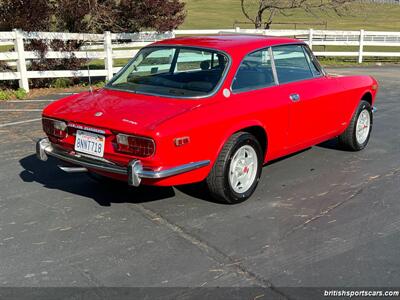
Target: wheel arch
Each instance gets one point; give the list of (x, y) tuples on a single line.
[(260, 134), (367, 96), (255, 128)]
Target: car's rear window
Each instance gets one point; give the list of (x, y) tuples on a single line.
[(172, 71)]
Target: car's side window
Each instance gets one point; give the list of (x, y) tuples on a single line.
[(255, 72), (315, 67), (291, 63)]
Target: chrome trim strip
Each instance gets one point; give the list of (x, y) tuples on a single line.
[(277, 83), (87, 164), (273, 66), (135, 170), (173, 171)]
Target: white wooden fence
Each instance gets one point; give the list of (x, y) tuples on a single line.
[(126, 45)]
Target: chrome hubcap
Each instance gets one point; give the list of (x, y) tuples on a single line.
[(363, 126), (243, 169)]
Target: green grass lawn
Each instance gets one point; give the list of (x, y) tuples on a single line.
[(222, 14), (216, 14)]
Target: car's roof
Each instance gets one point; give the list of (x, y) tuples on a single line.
[(230, 43)]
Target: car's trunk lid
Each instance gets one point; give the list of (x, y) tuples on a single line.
[(120, 111)]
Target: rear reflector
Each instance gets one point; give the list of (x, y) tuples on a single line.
[(182, 141), (135, 145)]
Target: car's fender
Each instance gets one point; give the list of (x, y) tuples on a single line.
[(242, 126)]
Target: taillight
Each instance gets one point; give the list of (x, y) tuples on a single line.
[(135, 145), (55, 128)]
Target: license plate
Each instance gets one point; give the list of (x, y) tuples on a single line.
[(89, 143)]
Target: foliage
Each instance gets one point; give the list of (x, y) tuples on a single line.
[(7, 94), (94, 16), (119, 16), (61, 83), (162, 15), (91, 15), (20, 93), (25, 14), (99, 84), (262, 12)]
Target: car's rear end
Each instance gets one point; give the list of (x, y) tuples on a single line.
[(114, 132)]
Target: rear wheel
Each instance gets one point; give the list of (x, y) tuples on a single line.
[(236, 172), (356, 136)]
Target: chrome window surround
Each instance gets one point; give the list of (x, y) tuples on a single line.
[(277, 83), (214, 92)]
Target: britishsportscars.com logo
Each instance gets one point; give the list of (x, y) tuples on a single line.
[(361, 293)]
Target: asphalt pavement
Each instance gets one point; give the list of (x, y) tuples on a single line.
[(320, 218)]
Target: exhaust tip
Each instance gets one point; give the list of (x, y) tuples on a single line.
[(73, 169)]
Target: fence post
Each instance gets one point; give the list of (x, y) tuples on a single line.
[(361, 50), (108, 60), (21, 62), (310, 38)]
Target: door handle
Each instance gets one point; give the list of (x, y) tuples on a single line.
[(294, 97)]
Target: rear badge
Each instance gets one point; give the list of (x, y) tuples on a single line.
[(98, 114), (130, 121)]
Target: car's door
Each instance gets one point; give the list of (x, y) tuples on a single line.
[(312, 112), (256, 98)]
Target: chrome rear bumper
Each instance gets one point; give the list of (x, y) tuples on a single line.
[(134, 170)]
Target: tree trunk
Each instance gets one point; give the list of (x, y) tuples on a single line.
[(258, 21)]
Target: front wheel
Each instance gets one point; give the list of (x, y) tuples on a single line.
[(236, 172), (356, 136)]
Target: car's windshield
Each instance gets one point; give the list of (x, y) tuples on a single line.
[(173, 72)]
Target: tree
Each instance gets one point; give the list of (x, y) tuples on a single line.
[(161, 15), (95, 16), (25, 15), (262, 12), (98, 16)]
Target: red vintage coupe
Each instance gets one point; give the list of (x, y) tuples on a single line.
[(210, 108)]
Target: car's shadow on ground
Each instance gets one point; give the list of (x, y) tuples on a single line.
[(50, 176), (103, 192), (332, 144), (108, 192)]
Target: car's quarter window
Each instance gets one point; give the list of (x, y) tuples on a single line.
[(156, 62), (255, 72), (314, 64), (173, 71), (196, 60), (291, 63)]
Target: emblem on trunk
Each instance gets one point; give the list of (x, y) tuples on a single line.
[(98, 114)]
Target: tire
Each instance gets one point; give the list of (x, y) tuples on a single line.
[(220, 181), (363, 116)]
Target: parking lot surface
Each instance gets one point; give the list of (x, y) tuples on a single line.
[(322, 217)]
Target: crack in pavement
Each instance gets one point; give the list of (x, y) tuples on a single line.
[(322, 213), (332, 207), (211, 251)]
